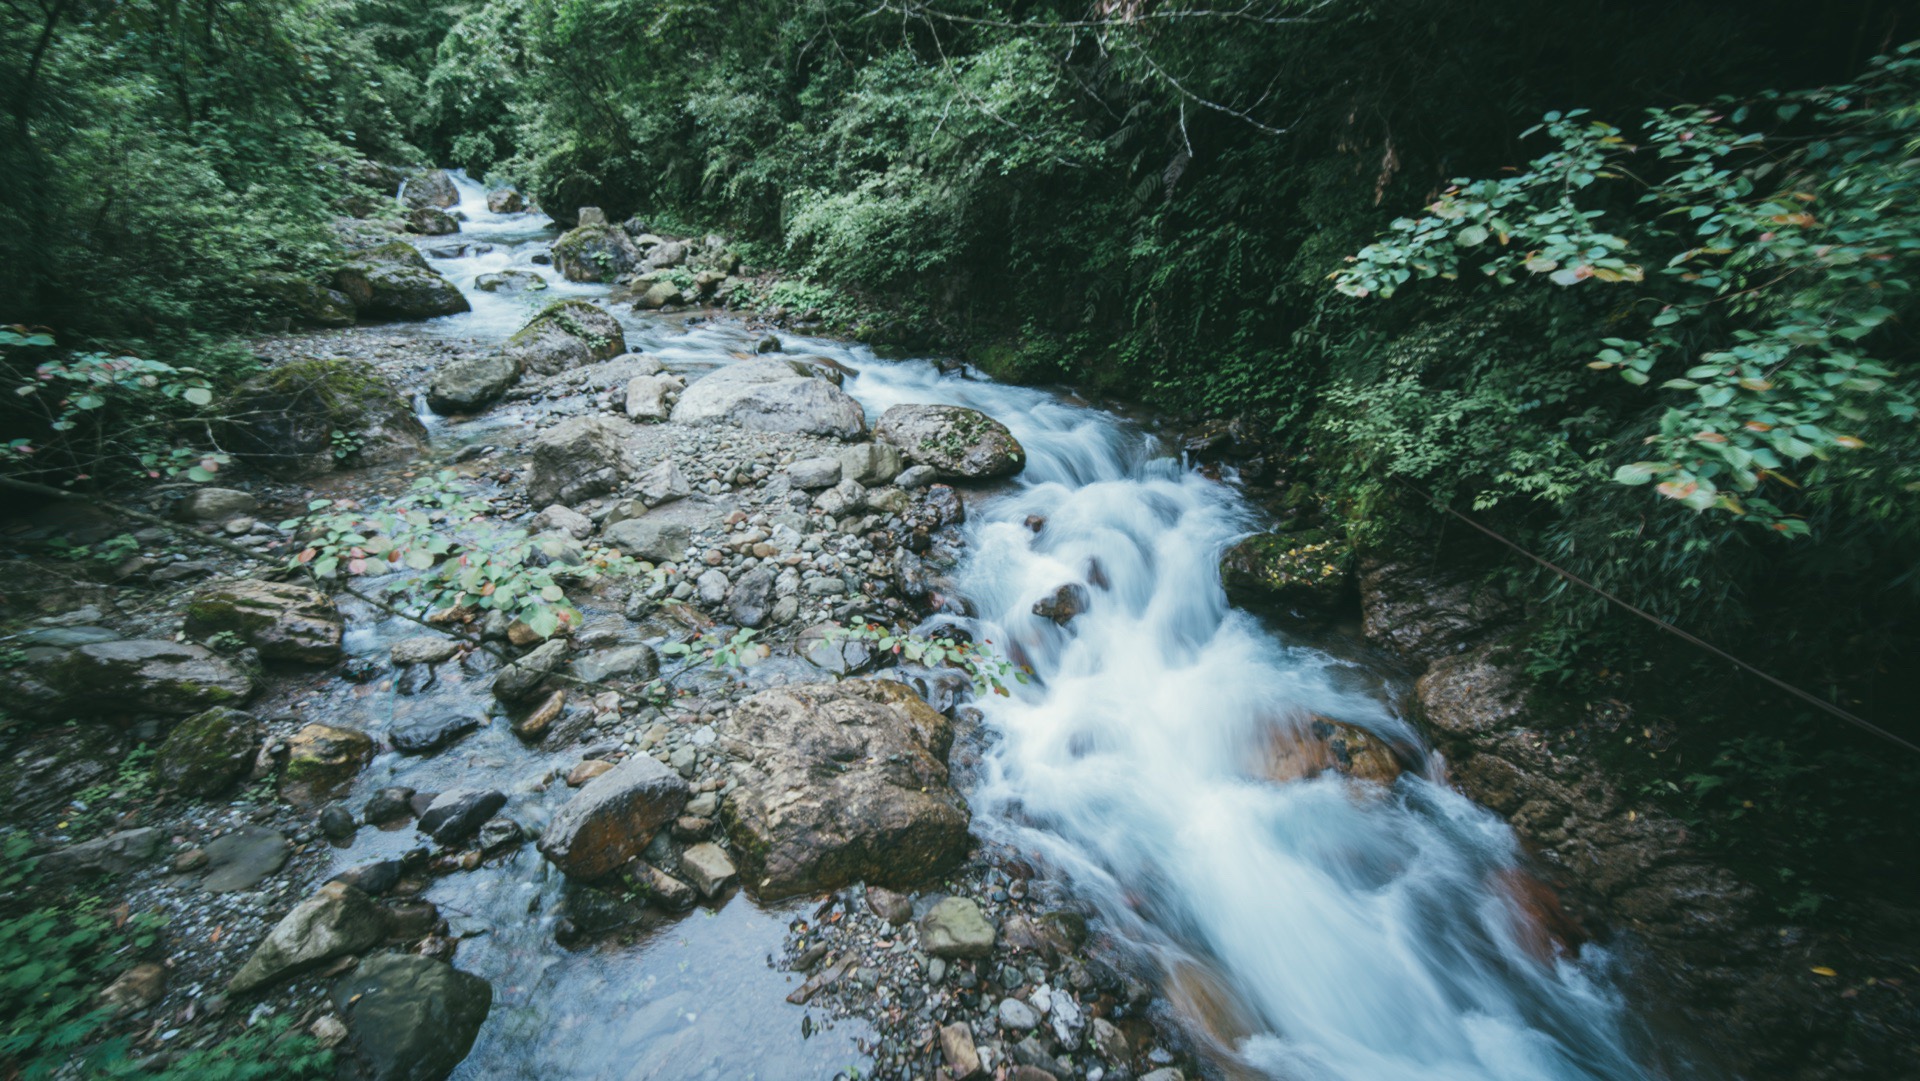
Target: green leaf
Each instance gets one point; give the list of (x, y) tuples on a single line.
[(1638, 472)]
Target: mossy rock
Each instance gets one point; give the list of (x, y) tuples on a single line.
[(208, 752), (285, 418), (304, 301), (392, 290), (392, 253), (322, 760), (284, 621), (566, 334), (1305, 572), (595, 253)]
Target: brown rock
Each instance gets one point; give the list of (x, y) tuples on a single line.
[(956, 1046), (136, 989), (284, 621), (535, 724), (613, 818), (587, 771), (322, 759)]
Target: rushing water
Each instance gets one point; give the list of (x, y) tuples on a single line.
[(1330, 929)]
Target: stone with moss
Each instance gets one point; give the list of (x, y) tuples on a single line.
[(383, 290), (283, 620), (1306, 571), (961, 443), (322, 760), (468, 383), (595, 253), (302, 300), (566, 334), (431, 221), (206, 753), (286, 418), (144, 676)]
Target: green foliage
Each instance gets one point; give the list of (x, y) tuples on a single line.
[(988, 670), (715, 651), (116, 803)]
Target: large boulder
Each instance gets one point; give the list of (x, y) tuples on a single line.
[(284, 419), (613, 818), (206, 753), (577, 458), (429, 188), (957, 441), (284, 621), (334, 922), (661, 535), (145, 676), (410, 1018), (392, 290), (566, 334), (432, 221), (303, 300), (466, 384), (595, 253), (1304, 571), (772, 395), (847, 783), (506, 201)]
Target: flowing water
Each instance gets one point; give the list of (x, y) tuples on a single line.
[(1322, 928)]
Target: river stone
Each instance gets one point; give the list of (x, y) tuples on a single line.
[(658, 294), (872, 464), (430, 734), (662, 535), (509, 281), (284, 419), (116, 853), (577, 458), (813, 474), (206, 753), (429, 188), (751, 599), (613, 818), (284, 621), (1064, 603), (506, 201), (301, 299), (432, 221), (957, 441), (563, 519), (662, 484), (395, 291), (771, 395), (647, 397), (216, 505), (845, 783), (243, 859), (454, 816), (1303, 572), (1016, 1016), (826, 645), (466, 384), (423, 649), (336, 921), (661, 888), (323, 758), (144, 676), (595, 252), (520, 680), (637, 663), (707, 866), (956, 928), (566, 334), (388, 805), (410, 1018)]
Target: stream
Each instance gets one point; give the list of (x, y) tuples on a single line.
[(1335, 928)]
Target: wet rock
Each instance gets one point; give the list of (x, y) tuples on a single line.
[(847, 782), (284, 419), (1426, 614), (216, 505), (136, 989), (395, 291), (465, 384), (708, 868), (520, 681), (944, 507), (771, 395), (813, 474), (499, 834), (1063, 604), (432, 221), (957, 441), (595, 253), (243, 859), (336, 921), (587, 771), (206, 753), (284, 621), (144, 676), (1110, 1043), (563, 519), (657, 294), (506, 201), (1305, 572), (336, 822), (429, 188), (454, 816), (751, 598), (389, 805), (956, 928), (116, 853), (648, 397), (1165, 1074), (430, 734), (510, 281), (825, 645), (895, 908), (372, 879), (577, 458), (410, 1018), (321, 759), (634, 663), (539, 720), (566, 334), (425, 649), (661, 888), (613, 818)]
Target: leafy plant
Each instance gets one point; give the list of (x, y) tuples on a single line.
[(729, 652), (100, 807), (988, 670)]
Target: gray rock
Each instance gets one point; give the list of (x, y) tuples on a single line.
[(592, 215), (825, 647), (1167, 1073), (712, 586), (895, 908), (1110, 1043), (595, 253), (216, 504), (423, 649), (566, 334), (637, 663), (509, 281), (337, 823), (429, 734), (658, 294), (144, 676), (283, 620), (206, 753), (662, 484), (498, 834), (814, 474), (411, 1018), (662, 535), (1016, 1016), (454, 816), (577, 458), (917, 476), (647, 397), (957, 928), (467, 383), (243, 859), (563, 519), (957, 441), (845, 783), (116, 853), (336, 921), (872, 464), (429, 188), (662, 888), (708, 867), (613, 818), (751, 597), (520, 680), (842, 499), (388, 805), (771, 395), (395, 291)]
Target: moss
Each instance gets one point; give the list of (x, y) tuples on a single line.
[(1304, 569)]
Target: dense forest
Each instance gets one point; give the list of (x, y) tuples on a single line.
[(1629, 285)]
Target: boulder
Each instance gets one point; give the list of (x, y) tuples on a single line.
[(613, 817), (216, 505), (454, 816), (284, 419), (813, 474), (772, 395), (1426, 613), (663, 483), (397, 291), (336, 921), (410, 1018), (431, 221), (595, 253), (662, 535), (1303, 572), (509, 281), (520, 680), (429, 187), (430, 734), (506, 201), (466, 384), (647, 397), (566, 334), (284, 621), (667, 253), (144, 676), (577, 458), (116, 853), (206, 753), (846, 782), (658, 294), (241, 860), (322, 758), (956, 928), (708, 868), (303, 300), (957, 441), (871, 464)]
